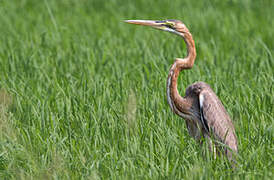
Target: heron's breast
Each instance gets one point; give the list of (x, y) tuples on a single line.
[(193, 129)]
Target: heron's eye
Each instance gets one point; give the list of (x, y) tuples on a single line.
[(169, 25)]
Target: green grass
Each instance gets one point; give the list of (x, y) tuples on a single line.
[(82, 94)]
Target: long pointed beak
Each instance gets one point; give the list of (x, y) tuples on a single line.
[(155, 24), (142, 22)]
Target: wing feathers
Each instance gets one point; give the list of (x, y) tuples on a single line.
[(203, 120), (215, 118)]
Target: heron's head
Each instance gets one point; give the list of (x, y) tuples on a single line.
[(173, 26)]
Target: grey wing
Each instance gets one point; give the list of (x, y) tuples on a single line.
[(216, 119)]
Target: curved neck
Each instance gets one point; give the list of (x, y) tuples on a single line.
[(177, 103), (188, 61)]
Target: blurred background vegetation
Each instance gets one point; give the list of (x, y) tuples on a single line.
[(82, 94)]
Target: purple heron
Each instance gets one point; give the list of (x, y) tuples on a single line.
[(202, 110)]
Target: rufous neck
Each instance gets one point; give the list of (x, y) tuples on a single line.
[(188, 61), (177, 102)]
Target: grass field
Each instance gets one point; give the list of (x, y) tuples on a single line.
[(82, 94)]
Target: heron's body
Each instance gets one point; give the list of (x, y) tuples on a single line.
[(204, 113)]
